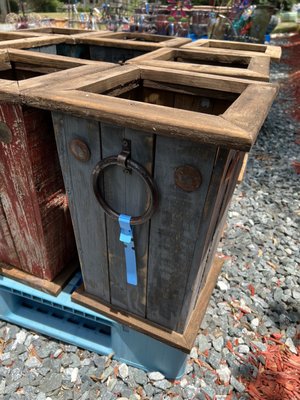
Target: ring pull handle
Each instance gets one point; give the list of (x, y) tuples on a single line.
[(126, 221), (123, 160)]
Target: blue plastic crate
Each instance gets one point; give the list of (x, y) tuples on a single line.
[(60, 318)]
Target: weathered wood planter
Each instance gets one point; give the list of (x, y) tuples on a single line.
[(120, 47), (239, 66), (246, 49), (36, 232), (45, 44), (165, 148)]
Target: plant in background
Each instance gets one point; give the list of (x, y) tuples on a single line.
[(176, 8)]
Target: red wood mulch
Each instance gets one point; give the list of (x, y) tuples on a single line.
[(279, 377)]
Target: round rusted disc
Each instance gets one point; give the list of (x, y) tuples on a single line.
[(5, 133), (80, 150), (188, 178)]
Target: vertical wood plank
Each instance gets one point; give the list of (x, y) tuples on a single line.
[(8, 254), (175, 227), (87, 216), (126, 193), (18, 194), (214, 196)]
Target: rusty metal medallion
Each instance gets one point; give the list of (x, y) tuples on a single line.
[(5, 133), (187, 178), (80, 150)]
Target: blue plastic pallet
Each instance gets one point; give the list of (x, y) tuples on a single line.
[(60, 318)]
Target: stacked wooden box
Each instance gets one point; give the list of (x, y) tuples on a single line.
[(171, 128)]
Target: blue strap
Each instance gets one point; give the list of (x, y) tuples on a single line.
[(126, 237)]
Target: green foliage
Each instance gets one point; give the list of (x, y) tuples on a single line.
[(14, 6), (44, 5)]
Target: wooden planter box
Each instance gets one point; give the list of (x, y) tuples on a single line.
[(36, 233), (246, 49), (120, 47), (189, 132), (239, 66)]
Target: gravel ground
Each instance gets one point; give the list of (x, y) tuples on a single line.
[(257, 295)]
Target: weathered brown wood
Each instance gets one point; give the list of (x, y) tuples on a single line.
[(219, 64), (130, 40), (28, 43), (183, 341), (161, 120), (17, 35), (258, 102), (243, 169), (53, 288), (245, 49)]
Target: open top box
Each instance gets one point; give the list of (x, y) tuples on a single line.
[(141, 41), (21, 69), (189, 132), (211, 109), (239, 66), (247, 49)]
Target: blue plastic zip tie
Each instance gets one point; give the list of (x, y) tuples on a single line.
[(126, 237)]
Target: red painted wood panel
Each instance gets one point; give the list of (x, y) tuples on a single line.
[(32, 193)]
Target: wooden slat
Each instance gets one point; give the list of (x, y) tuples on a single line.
[(205, 128), (127, 194), (183, 341), (194, 280), (208, 69), (243, 169), (53, 288), (87, 216), (173, 232), (8, 252), (159, 54), (28, 43), (259, 102), (245, 53)]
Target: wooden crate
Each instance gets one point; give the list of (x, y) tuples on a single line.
[(189, 132), (36, 232), (122, 46), (246, 49), (238, 66)]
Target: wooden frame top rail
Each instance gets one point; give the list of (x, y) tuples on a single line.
[(274, 52), (257, 68), (236, 128), (141, 41), (32, 42)]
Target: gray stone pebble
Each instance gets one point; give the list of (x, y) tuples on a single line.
[(259, 276)]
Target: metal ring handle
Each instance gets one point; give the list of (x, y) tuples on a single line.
[(140, 170)]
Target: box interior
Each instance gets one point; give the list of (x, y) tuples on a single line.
[(184, 58), (208, 101), (236, 46), (137, 37)]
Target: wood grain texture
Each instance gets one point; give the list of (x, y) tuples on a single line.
[(218, 173), (219, 64), (32, 42), (53, 288), (172, 244), (87, 216), (8, 252), (32, 193), (256, 100), (274, 52), (183, 341), (162, 120), (127, 194)]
